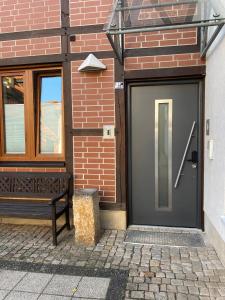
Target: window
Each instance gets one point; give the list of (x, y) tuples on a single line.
[(31, 112)]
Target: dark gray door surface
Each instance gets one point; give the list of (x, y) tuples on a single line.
[(163, 143)]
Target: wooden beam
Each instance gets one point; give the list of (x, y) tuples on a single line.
[(32, 164), (83, 55), (41, 59), (162, 50), (67, 89), (9, 36), (120, 137), (87, 132), (198, 71), (86, 29)]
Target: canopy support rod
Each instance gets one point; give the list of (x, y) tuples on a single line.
[(118, 54), (152, 29), (204, 51)]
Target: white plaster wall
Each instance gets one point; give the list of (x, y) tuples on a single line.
[(214, 187)]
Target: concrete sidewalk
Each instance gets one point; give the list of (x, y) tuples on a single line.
[(15, 285)]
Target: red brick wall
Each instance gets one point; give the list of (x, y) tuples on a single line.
[(90, 43), (93, 102), (94, 163), (163, 61), (26, 15), (94, 105), (93, 94), (89, 12), (30, 47), (162, 38), (22, 15)]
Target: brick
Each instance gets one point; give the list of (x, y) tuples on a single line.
[(29, 47), (30, 15)]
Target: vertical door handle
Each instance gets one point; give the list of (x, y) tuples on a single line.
[(184, 155)]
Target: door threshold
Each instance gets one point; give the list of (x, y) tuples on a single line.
[(164, 229)]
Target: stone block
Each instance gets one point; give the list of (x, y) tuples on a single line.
[(62, 285), (33, 282), (86, 217), (22, 295), (9, 279), (93, 287)]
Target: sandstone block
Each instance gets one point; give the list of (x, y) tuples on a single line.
[(86, 217)]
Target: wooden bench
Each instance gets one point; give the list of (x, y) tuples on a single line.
[(36, 196)]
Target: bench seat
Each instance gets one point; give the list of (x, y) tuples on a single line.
[(36, 196), (30, 210)]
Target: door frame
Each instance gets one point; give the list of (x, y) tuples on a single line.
[(201, 119)]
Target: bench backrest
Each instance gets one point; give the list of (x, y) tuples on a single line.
[(30, 185)]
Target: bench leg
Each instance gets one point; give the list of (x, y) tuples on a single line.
[(54, 237), (68, 218), (54, 228)]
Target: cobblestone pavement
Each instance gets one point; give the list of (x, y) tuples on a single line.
[(155, 272)]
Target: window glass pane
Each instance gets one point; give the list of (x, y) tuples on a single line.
[(51, 115), (163, 154), (13, 105)]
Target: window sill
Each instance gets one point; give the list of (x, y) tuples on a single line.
[(33, 164)]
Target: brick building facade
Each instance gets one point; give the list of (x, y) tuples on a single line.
[(48, 33)]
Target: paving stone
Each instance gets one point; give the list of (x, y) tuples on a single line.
[(156, 280), (14, 295), (214, 292), (193, 290), (138, 279), (163, 288), (132, 286), (54, 297), (149, 295), (182, 289), (204, 292), (171, 288), (33, 282), (9, 279), (153, 288), (176, 282), (192, 297), (161, 296), (82, 299), (171, 296), (137, 295), (143, 287), (92, 287), (62, 285), (222, 291), (181, 296), (3, 293)]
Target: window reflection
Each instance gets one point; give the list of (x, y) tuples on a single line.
[(13, 104), (51, 115)]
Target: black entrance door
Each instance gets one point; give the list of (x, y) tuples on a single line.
[(163, 154)]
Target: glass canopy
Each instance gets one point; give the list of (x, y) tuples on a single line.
[(136, 16)]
